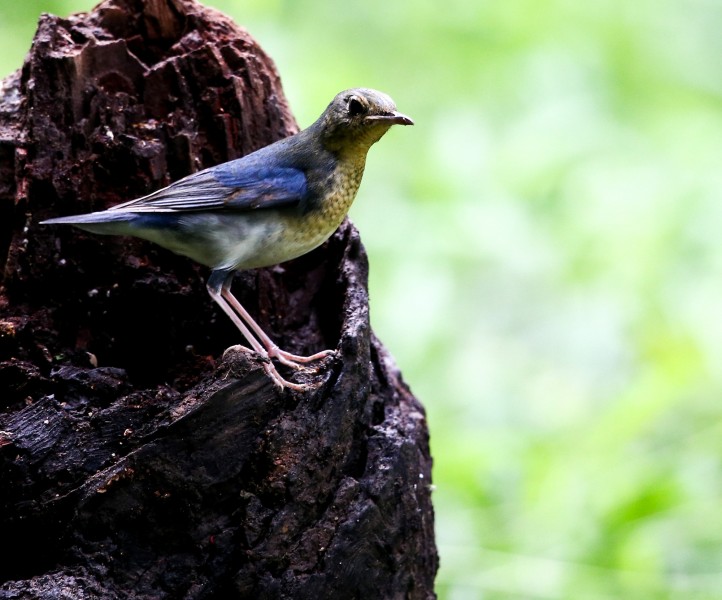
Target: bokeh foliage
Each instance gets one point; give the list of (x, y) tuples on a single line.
[(546, 265)]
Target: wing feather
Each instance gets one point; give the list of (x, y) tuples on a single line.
[(236, 185)]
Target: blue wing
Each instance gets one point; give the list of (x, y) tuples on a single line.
[(235, 185)]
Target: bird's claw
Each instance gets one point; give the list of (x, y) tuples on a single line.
[(295, 361), (285, 358), (282, 383)]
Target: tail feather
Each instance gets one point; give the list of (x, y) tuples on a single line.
[(96, 217), (102, 222)]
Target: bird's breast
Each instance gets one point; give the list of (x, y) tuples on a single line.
[(285, 235), (335, 202)]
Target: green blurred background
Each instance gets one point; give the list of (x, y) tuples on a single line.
[(546, 267)]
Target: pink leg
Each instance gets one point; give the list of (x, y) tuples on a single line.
[(271, 348), (268, 366)]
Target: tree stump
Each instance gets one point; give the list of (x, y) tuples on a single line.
[(136, 459)]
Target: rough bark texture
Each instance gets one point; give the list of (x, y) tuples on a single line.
[(136, 461)]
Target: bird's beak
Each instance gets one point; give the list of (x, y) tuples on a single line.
[(393, 118)]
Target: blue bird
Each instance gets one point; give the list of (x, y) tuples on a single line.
[(265, 208)]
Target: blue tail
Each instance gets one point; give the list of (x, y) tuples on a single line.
[(103, 222), (105, 216)]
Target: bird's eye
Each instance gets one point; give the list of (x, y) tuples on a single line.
[(355, 107)]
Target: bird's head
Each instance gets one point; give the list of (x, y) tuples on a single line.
[(357, 118)]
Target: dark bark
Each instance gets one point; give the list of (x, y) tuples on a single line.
[(135, 460)]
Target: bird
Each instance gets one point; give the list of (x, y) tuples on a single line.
[(265, 208)]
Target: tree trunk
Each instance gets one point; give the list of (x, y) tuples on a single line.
[(136, 460)]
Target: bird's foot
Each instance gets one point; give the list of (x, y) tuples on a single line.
[(294, 360), (284, 383), (273, 373)]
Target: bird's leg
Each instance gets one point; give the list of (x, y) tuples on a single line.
[(215, 293), (271, 348)]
